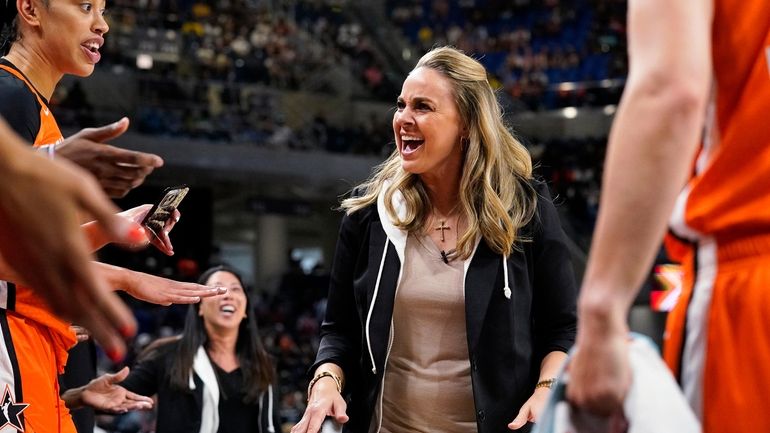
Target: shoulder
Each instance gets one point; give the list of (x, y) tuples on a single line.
[(361, 217), (19, 107), (545, 213)]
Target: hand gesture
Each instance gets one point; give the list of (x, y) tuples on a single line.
[(104, 393), (117, 170), (156, 290)]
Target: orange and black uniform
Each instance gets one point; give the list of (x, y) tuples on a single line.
[(718, 341), (34, 343)]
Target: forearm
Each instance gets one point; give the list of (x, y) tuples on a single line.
[(115, 276), (551, 365), (651, 147), (73, 398)]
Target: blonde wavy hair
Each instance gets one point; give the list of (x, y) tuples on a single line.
[(496, 196)]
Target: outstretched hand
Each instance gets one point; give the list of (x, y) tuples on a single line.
[(156, 290), (117, 170), (104, 393)]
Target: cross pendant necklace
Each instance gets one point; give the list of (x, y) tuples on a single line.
[(442, 227)]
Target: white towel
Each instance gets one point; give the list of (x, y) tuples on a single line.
[(654, 403)]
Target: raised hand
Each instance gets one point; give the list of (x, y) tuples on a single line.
[(104, 393), (117, 170)]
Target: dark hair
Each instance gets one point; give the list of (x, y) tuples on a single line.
[(9, 32), (9, 24), (254, 361)]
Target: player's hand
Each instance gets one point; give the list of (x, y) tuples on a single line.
[(600, 372), (156, 290), (117, 170), (99, 238), (104, 393)]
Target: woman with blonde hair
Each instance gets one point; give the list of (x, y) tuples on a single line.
[(452, 299)]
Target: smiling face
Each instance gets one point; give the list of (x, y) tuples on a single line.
[(224, 311), (72, 31), (427, 125)]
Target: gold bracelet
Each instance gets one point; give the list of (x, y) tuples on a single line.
[(320, 376), (546, 383)]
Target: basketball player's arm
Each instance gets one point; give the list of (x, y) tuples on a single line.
[(651, 146), (156, 290), (41, 239)]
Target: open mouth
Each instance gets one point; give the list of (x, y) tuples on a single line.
[(91, 49), (410, 144), (227, 309)]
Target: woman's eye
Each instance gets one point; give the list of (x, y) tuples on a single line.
[(400, 105), (86, 7)]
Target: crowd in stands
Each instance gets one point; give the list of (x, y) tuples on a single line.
[(211, 69), (531, 46), (217, 70)]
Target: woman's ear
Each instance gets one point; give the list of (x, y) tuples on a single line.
[(28, 12)]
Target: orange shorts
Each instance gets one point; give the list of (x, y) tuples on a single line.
[(29, 378), (718, 338)]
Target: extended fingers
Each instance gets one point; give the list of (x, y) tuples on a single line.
[(133, 158), (192, 293)]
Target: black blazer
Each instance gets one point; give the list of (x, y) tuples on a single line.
[(507, 338), (178, 411)]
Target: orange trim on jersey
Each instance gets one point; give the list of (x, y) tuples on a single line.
[(49, 132)]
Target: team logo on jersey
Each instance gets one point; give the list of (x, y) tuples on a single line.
[(10, 411)]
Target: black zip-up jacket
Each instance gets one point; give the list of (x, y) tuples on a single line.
[(507, 338), (180, 411)]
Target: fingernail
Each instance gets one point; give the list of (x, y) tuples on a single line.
[(115, 354), (127, 331), (137, 234)]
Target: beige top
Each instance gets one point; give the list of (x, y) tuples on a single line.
[(428, 376)]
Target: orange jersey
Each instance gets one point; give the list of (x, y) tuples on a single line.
[(34, 342), (728, 195), (23, 300)]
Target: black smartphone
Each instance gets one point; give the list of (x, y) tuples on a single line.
[(164, 208)]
